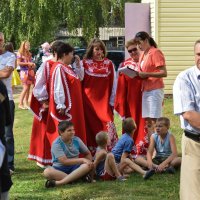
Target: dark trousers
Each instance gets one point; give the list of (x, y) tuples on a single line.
[(9, 137)]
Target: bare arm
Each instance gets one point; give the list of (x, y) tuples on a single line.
[(161, 73), (6, 72), (193, 118), (73, 161), (165, 163), (88, 156), (29, 64), (150, 152), (100, 155), (125, 155)]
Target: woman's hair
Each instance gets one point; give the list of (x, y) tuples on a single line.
[(9, 47), (143, 36), (101, 138), (62, 126), (165, 120), (22, 49), (131, 42), (54, 46), (95, 43), (129, 125), (62, 49)]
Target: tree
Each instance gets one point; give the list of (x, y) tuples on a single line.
[(39, 20)]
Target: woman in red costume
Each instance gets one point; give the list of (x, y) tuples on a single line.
[(40, 144), (66, 95), (128, 101), (98, 94)]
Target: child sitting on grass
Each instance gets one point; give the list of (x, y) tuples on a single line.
[(123, 148), (104, 163), (164, 143), (67, 166)]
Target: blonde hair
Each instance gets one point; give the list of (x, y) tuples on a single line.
[(23, 51), (101, 138), (129, 125), (131, 42), (165, 121)]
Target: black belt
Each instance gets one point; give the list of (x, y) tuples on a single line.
[(192, 135)]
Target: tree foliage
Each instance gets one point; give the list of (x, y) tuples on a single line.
[(39, 20)]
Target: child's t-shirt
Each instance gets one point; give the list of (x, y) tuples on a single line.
[(72, 150), (124, 144), (162, 149)]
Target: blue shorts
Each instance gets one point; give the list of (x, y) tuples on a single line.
[(67, 169)]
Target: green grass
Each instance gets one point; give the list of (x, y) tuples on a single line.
[(29, 182)]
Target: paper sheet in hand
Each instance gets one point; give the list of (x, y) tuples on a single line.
[(128, 71)]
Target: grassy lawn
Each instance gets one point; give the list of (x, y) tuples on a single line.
[(29, 182)]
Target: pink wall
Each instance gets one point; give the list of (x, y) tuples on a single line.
[(137, 18)]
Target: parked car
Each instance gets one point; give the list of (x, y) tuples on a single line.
[(117, 56), (80, 52)]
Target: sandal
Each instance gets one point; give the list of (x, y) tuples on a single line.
[(21, 107), (50, 183), (121, 178), (149, 174)]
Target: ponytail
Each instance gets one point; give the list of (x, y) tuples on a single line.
[(152, 42)]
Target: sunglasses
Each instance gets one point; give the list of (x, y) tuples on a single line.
[(131, 50)]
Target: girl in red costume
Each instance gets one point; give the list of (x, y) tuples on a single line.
[(128, 101), (66, 96), (98, 94), (40, 144)]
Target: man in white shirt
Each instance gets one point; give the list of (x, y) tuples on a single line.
[(186, 95), (7, 64)]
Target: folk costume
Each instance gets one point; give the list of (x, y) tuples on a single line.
[(40, 144), (98, 100), (66, 94), (128, 103)]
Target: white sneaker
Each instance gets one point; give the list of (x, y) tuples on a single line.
[(40, 165), (11, 172)]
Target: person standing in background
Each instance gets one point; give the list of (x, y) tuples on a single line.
[(186, 96), (5, 119), (27, 73), (7, 65), (65, 100), (40, 144), (98, 86), (152, 70), (128, 100), (15, 77)]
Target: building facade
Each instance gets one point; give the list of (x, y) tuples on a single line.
[(175, 26)]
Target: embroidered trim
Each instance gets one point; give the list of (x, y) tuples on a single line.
[(46, 161), (97, 75), (60, 120), (112, 134), (70, 72), (68, 93)]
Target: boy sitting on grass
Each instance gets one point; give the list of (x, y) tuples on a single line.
[(123, 148), (104, 163), (165, 146), (67, 166)]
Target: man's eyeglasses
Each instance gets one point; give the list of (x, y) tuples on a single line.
[(131, 50)]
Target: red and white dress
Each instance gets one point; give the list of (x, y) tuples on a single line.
[(40, 144), (98, 100), (128, 103), (66, 94)]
